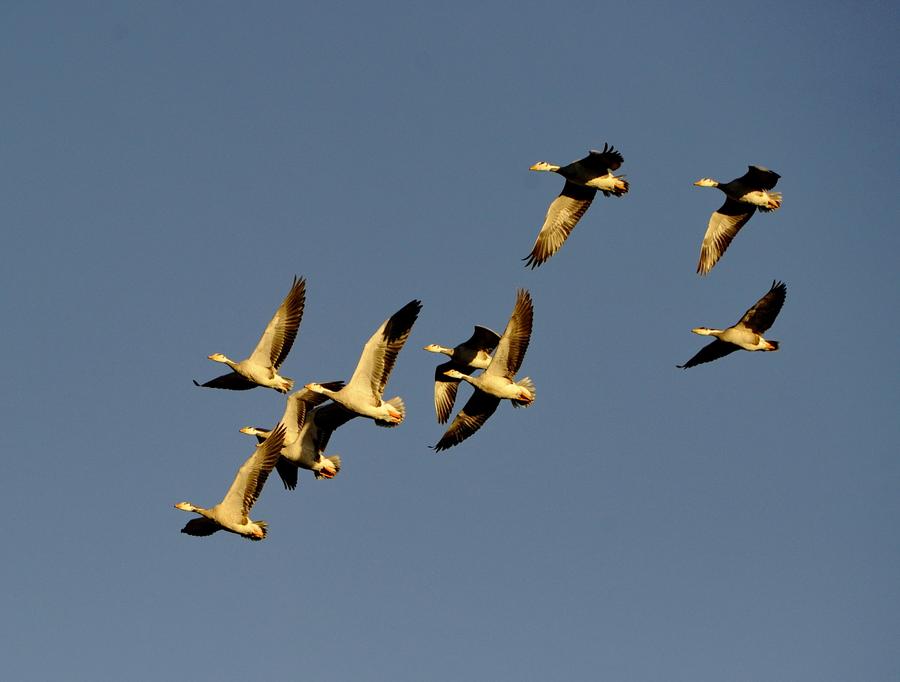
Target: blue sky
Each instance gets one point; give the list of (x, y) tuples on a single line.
[(168, 168)]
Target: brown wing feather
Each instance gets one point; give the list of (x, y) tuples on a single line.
[(445, 388), (470, 418), (276, 341), (295, 412), (763, 313), (723, 226), (252, 476), (562, 217), (511, 350), (266, 457)]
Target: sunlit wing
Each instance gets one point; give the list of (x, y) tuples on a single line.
[(563, 215), (511, 350), (278, 337)]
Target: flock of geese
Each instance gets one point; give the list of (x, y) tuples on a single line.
[(312, 414)]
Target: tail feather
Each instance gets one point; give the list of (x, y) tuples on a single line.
[(620, 188), (526, 382), (265, 530), (335, 462), (774, 202), (397, 403)]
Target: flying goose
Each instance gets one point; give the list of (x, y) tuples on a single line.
[(747, 333), (475, 353), (497, 382), (309, 426), (363, 393), (743, 196), (261, 368), (583, 178), (232, 513)]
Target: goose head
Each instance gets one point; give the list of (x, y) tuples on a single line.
[(544, 166), (218, 357), (704, 331), (435, 348), (254, 431), (706, 182), (185, 506)]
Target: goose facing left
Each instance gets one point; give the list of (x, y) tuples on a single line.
[(472, 354), (232, 513), (743, 196), (309, 427), (363, 393), (261, 367), (497, 382), (747, 333), (583, 178)]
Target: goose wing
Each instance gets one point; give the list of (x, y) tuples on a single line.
[(287, 472), (723, 226), (562, 217), (712, 351), (483, 339), (294, 416), (601, 162), (759, 177), (276, 341), (763, 313), (511, 350), (445, 389), (381, 350), (201, 527), (328, 418), (231, 381), (470, 418), (252, 475)]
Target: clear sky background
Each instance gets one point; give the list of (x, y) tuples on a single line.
[(167, 168)]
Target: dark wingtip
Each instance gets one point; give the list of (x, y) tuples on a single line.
[(195, 382), (531, 261)]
